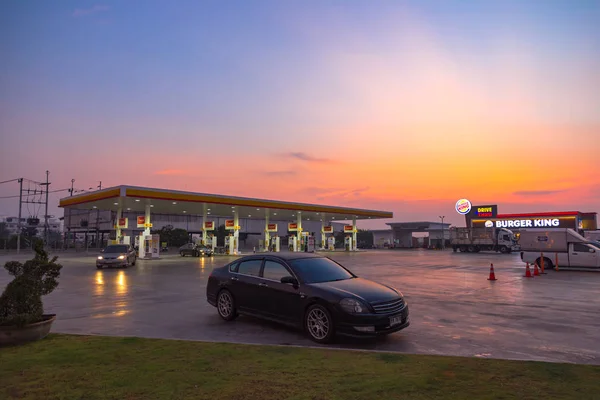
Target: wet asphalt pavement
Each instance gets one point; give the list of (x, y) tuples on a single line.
[(454, 309)]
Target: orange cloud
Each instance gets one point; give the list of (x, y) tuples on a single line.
[(170, 172)]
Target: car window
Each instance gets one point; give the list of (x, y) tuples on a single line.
[(274, 271), (250, 267), (233, 267), (116, 249), (321, 269), (582, 248)]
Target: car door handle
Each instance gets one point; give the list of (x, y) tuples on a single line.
[(233, 278), (263, 284)]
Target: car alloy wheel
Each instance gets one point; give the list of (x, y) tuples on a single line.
[(226, 305), (319, 324)]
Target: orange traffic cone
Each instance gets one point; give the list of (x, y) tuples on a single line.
[(536, 271), (492, 274), (528, 272)]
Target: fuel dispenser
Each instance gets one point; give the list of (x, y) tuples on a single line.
[(293, 243), (229, 244), (348, 243), (275, 244), (304, 241), (211, 241), (331, 243), (310, 244), (149, 246)]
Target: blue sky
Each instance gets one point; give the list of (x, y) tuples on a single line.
[(172, 86)]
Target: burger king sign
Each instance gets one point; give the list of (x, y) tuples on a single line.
[(463, 206)]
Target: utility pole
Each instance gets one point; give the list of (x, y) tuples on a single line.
[(443, 237), (19, 221), (98, 244), (68, 232), (47, 184)]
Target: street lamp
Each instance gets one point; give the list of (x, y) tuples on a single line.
[(443, 238)]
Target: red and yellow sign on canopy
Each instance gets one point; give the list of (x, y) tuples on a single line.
[(348, 228), (209, 225), (272, 228), (141, 222), (292, 226), (328, 229), (229, 224)]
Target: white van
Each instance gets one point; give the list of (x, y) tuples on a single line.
[(572, 250)]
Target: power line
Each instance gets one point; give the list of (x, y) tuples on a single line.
[(52, 191), (10, 180)]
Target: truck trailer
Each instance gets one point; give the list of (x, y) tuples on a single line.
[(560, 245), (474, 240)]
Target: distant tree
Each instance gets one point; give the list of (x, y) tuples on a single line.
[(339, 239), (30, 232), (179, 237), (4, 232), (173, 237), (220, 233), (364, 237), (54, 237)]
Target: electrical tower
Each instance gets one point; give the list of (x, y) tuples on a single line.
[(33, 195)]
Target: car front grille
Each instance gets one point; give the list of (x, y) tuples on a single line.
[(388, 307)]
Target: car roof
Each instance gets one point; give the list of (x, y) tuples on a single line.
[(284, 256)]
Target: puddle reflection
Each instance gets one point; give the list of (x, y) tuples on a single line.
[(99, 287)]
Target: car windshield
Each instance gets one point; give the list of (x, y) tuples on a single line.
[(315, 270), (116, 249)]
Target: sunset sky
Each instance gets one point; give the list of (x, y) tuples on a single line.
[(403, 106)]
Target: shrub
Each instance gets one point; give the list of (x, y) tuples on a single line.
[(21, 301)]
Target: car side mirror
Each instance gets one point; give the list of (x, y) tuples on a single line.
[(290, 280), (592, 251), (102, 251)]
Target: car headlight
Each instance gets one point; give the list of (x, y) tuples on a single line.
[(121, 257), (352, 306), (100, 258)]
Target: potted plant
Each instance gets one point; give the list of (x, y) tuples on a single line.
[(22, 317)]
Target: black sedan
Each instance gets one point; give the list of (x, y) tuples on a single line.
[(194, 250), (307, 291)]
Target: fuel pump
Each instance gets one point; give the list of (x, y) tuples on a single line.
[(348, 243), (275, 244), (293, 243), (228, 239), (230, 244), (212, 242), (331, 243)]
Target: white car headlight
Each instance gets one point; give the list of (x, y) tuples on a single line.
[(100, 258), (121, 257), (352, 306)]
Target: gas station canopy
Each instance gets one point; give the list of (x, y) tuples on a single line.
[(162, 201)]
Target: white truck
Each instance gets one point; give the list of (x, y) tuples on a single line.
[(474, 240), (592, 235), (569, 248)]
